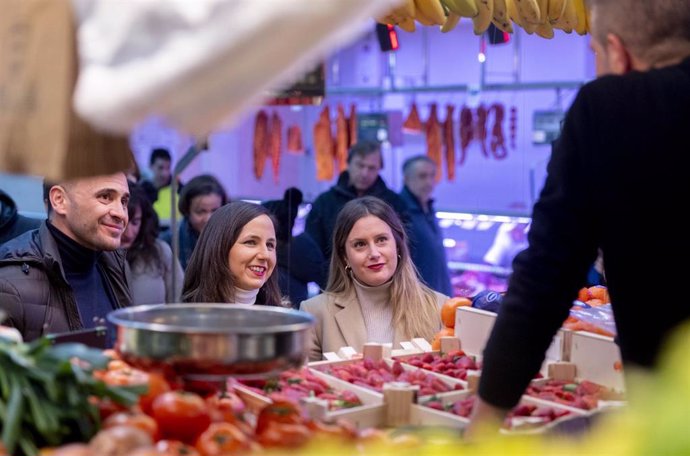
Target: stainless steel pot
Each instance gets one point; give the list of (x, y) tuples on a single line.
[(212, 340)]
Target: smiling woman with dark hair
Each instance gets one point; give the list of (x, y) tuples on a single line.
[(234, 259)]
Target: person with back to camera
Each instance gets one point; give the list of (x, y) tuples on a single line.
[(426, 238), (150, 260), (361, 178), (235, 258), (374, 293), (199, 199), (622, 155), (12, 224), (299, 258)]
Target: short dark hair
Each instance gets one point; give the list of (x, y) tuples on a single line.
[(202, 185), (208, 277), (47, 185), (159, 153), (407, 164), (285, 212), (363, 149)]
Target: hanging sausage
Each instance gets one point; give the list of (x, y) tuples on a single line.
[(294, 140), (513, 126), (498, 140), (466, 132), (482, 114), (352, 126), (434, 141), (413, 124), (260, 143), (449, 143), (276, 144), (323, 146), (341, 138)]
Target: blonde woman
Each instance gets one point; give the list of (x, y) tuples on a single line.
[(374, 293)]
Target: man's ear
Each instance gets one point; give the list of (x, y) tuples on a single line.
[(57, 198), (619, 58)]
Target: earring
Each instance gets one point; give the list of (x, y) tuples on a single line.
[(348, 268), (399, 257)]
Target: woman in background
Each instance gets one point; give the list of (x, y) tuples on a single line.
[(234, 259), (150, 260), (199, 199), (374, 293)]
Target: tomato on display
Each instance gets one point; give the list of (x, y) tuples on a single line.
[(181, 415)]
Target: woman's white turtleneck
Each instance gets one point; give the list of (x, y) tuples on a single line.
[(376, 310), (245, 296)]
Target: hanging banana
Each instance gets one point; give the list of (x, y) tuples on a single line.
[(483, 19), (501, 19)]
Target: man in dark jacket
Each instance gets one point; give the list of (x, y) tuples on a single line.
[(11, 223), (67, 274), (426, 238), (622, 156), (364, 162)]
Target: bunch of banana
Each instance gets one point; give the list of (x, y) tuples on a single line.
[(429, 12), (401, 15), (543, 16), (455, 9)]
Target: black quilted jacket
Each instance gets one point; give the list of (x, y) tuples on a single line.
[(33, 288)]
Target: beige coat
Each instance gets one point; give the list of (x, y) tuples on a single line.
[(339, 323)]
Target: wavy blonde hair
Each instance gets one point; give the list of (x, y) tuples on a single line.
[(414, 304)]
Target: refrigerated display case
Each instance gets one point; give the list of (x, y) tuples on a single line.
[(480, 249)]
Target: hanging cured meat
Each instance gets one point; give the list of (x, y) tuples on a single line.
[(449, 143), (498, 141), (294, 140), (261, 140), (466, 132), (513, 126), (276, 144), (352, 126), (323, 146), (434, 141), (341, 138), (481, 134), (413, 124)]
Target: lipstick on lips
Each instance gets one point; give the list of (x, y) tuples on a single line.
[(376, 267)]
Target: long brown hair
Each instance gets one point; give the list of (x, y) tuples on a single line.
[(208, 277), (414, 304)]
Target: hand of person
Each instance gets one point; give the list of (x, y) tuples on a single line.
[(10, 334), (485, 421)]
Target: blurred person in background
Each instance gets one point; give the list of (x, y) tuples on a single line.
[(235, 258), (69, 273), (150, 260), (200, 198), (426, 239), (622, 153), (362, 177), (12, 224), (158, 187), (299, 258), (374, 293)]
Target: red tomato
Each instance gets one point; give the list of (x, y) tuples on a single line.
[(280, 411), (175, 448), (157, 386), (137, 420), (277, 434), (226, 406), (222, 439), (181, 415)]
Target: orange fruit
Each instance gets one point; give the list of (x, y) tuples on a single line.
[(600, 292), (595, 302), (448, 310), (583, 295), (445, 332)]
